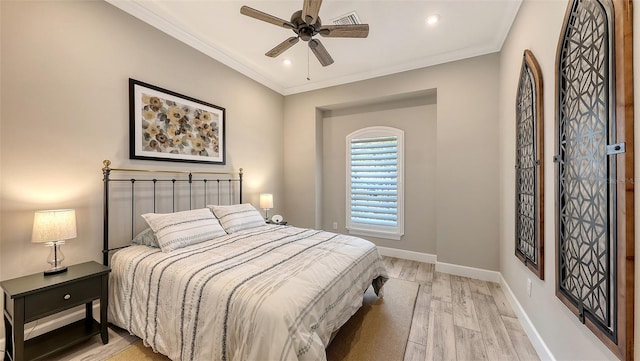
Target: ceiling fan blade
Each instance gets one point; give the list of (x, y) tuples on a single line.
[(320, 52), (257, 14), (345, 31), (310, 10), (280, 48)]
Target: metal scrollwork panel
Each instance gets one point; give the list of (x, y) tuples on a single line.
[(588, 150), (529, 167), (586, 240)]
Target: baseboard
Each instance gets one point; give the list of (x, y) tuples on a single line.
[(410, 255), (471, 272), (527, 325), (36, 328), (453, 269)]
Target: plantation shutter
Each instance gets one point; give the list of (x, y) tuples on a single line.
[(374, 181)]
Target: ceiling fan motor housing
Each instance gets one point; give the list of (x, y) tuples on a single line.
[(304, 30)]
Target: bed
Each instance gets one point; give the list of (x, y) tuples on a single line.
[(258, 292)]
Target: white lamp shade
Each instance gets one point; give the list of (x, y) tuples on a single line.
[(266, 200), (54, 225)]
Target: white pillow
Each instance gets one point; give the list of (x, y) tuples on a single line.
[(180, 229), (237, 217)]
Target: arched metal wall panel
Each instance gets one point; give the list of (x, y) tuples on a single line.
[(594, 190), (530, 166)]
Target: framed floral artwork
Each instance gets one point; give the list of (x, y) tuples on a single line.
[(168, 126)]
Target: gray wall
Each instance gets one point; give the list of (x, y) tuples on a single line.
[(64, 87), (417, 117), (466, 153), (565, 336)]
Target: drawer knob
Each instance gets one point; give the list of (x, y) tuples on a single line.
[(67, 296)]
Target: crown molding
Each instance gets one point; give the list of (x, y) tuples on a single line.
[(147, 16), (422, 63), (135, 9)]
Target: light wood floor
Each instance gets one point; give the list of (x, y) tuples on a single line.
[(455, 318), (459, 318)]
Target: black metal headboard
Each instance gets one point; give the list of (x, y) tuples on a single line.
[(154, 191)]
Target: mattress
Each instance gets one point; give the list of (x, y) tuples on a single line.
[(267, 293)]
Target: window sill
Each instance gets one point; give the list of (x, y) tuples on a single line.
[(377, 234)]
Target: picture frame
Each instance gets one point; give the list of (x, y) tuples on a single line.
[(168, 126)]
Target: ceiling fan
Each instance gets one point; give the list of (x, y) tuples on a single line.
[(306, 24)]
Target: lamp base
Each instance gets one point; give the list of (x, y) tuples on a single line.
[(55, 259), (55, 270)]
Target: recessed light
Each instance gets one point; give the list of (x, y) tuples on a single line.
[(433, 20), (286, 62)]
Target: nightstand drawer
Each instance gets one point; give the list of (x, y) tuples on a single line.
[(60, 298)]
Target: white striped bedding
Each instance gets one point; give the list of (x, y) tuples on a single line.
[(267, 293)]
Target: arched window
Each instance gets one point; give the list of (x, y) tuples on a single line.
[(375, 196)]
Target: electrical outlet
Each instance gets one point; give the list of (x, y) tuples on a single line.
[(335, 225), (529, 284)]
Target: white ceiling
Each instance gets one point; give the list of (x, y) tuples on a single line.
[(399, 38)]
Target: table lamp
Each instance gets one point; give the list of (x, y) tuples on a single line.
[(53, 227), (266, 203)]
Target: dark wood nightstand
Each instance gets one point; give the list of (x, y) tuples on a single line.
[(32, 297)]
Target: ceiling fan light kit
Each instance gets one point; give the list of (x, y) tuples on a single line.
[(306, 24)]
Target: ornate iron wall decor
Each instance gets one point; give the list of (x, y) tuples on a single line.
[(594, 207), (529, 166)]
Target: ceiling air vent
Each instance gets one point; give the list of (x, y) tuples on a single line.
[(347, 19)]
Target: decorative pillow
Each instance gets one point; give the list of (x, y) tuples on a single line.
[(237, 217), (146, 238), (180, 229)]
